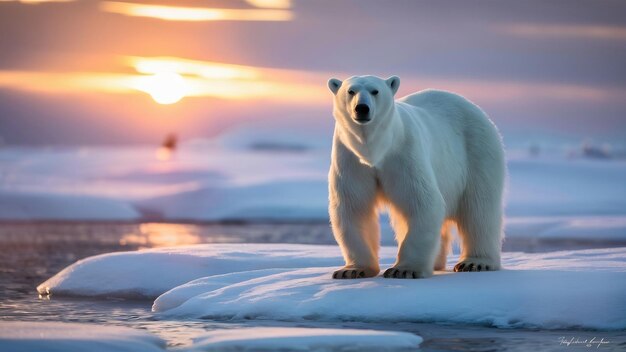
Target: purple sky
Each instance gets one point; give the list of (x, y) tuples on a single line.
[(541, 69)]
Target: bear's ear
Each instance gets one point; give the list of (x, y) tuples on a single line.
[(334, 84), (394, 83)]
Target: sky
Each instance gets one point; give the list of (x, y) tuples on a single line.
[(91, 72)]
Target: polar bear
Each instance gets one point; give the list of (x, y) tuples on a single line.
[(433, 159)]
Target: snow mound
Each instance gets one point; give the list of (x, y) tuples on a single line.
[(305, 339), (70, 337), (149, 273)]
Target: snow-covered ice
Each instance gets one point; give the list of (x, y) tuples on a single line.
[(515, 298), (73, 337), (149, 273), (568, 289), (305, 339), (256, 174)]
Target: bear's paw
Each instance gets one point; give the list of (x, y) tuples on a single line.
[(350, 272), (405, 273), (476, 264)]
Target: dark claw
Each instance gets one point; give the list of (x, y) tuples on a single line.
[(487, 267), (404, 274), (469, 267), (414, 275), (479, 267), (353, 274), (396, 274), (460, 267), (335, 275), (343, 276), (362, 274)]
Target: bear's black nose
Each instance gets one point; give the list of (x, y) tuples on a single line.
[(362, 109)]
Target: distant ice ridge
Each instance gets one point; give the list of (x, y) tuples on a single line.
[(292, 282), (254, 174), (39, 206)]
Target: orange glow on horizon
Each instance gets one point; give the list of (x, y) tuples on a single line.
[(179, 13), (163, 154), (161, 235)]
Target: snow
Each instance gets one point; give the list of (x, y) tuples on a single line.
[(516, 298), (536, 290), (70, 337), (293, 282), (305, 339)]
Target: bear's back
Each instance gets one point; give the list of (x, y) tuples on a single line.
[(457, 111)]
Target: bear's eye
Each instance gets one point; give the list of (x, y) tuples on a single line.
[(351, 92), (375, 92)]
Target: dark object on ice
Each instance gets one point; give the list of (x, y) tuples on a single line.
[(534, 150), (170, 142), (278, 147), (593, 152)]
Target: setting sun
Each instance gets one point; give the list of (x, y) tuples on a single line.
[(165, 87)]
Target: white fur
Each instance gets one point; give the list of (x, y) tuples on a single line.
[(433, 158)]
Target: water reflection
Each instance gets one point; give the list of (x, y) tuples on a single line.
[(152, 235)]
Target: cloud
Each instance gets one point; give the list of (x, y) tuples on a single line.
[(35, 1), (271, 4), (578, 31), (179, 13), (200, 79)]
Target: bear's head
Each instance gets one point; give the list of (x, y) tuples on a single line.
[(361, 100)]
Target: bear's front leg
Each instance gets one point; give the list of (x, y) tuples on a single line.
[(354, 221), (418, 231)]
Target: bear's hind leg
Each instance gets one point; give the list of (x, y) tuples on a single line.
[(479, 221)]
